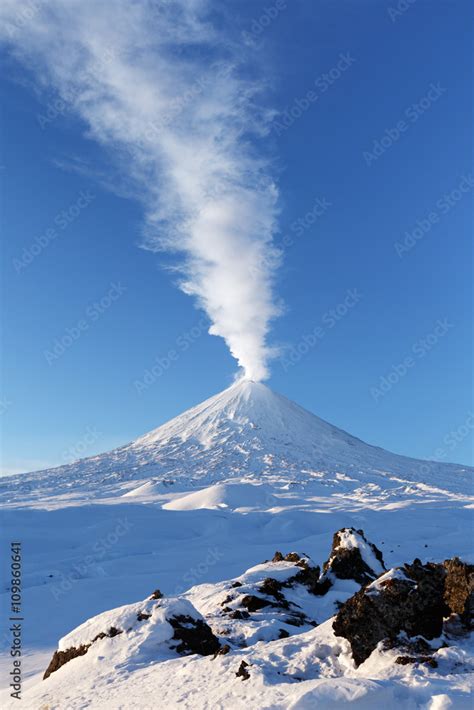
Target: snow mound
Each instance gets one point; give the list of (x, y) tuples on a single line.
[(146, 631), (145, 490), (234, 496)]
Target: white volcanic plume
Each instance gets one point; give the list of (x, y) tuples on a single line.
[(165, 92)]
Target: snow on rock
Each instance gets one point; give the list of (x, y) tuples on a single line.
[(353, 557), (148, 630), (414, 600), (313, 668), (272, 600)]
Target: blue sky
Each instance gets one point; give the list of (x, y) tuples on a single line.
[(371, 152)]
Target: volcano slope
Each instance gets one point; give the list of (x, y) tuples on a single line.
[(211, 493)]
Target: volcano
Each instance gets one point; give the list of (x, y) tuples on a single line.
[(245, 432), (247, 480)]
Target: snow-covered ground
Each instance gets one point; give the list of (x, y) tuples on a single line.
[(198, 501)]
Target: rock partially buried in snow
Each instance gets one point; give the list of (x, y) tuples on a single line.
[(270, 601), (284, 597), (156, 628), (459, 589), (354, 557), (414, 599)]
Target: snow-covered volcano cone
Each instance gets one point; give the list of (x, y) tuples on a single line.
[(248, 431)]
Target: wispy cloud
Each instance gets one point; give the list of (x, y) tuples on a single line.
[(169, 96)]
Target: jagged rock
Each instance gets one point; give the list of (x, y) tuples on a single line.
[(243, 672), (409, 599), (194, 636), (141, 616), (297, 618), (415, 650), (310, 575), (417, 646), (224, 649), (156, 594), (60, 658), (272, 588), (459, 589), (292, 557), (254, 603), (237, 614), (353, 557), (405, 660)]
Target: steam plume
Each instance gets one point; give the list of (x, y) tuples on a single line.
[(165, 92)]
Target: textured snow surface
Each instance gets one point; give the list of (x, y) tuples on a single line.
[(246, 430), (194, 503)]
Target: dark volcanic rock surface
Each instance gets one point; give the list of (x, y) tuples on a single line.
[(459, 589), (354, 557), (414, 599)]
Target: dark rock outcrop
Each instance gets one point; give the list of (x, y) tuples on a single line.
[(272, 588), (193, 635), (60, 658), (350, 561), (309, 576), (459, 589), (414, 599), (253, 603), (405, 660), (243, 672), (157, 594)]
